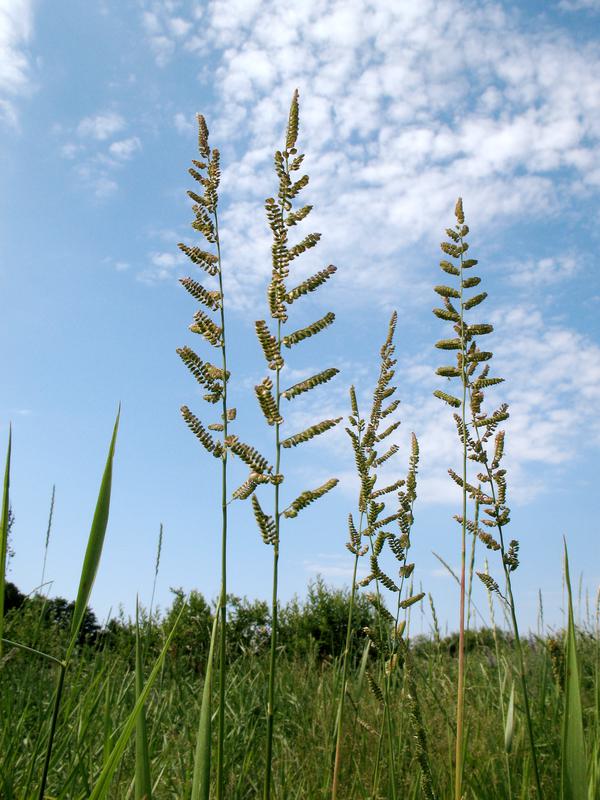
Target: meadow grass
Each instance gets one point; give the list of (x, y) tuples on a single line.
[(101, 693), (332, 697)]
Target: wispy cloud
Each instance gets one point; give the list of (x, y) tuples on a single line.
[(97, 153), (124, 149), (162, 266), (543, 271), (399, 122), (16, 25), (101, 126)]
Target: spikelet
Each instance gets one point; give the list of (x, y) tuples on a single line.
[(310, 284), (310, 330), (387, 489), (308, 497), (448, 398), (207, 375), (203, 147), (474, 301), (292, 128), (306, 244), (490, 584), (208, 261), (380, 607), (294, 217), (267, 402), (269, 345), (310, 383), (266, 524), (410, 601), (249, 455), (374, 687), (377, 462), (511, 559), (447, 291), (458, 212), (201, 433), (253, 480), (211, 299), (310, 433), (206, 327)]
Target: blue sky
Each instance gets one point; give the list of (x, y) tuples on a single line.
[(403, 107)]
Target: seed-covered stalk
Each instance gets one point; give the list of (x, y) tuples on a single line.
[(475, 430), (4, 529), (354, 545), (212, 378), (367, 436), (281, 217)]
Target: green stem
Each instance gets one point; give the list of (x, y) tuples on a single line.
[(273, 656), (33, 650), (341, 704), (518, 645), (223, 601), (57, 699), (460, 698)]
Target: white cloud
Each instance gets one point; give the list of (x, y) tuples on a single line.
[(579, 5), (70, 150), (396, 120), (16, 25), (101, 126), (183, 123), (543, 271), (125, 148), (163, 266)]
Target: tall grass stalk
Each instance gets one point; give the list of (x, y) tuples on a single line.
[(475, 430), (281, 217), (213, 379), (156, 568), (4, 526), (48, 532), (366, 437)]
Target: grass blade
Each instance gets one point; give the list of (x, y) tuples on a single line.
[(573, 773), (4, 535), (201, 782), (509, 728), (88, 573), (143, 782), (95, 543), (102, 785)]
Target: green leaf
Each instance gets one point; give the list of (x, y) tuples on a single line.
[(201, 781), (95, 543), (143, 782), (102, 785), (509, 727), (573, 760), (4, 533)]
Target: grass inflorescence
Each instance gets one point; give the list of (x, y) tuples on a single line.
[(334, 696)]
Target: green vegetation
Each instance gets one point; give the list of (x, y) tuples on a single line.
[(331, 696), (101, 692)]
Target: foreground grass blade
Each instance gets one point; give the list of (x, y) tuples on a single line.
[(509, 728), (88, 573), (143, 783), (95, 543), (201, 783), (102, 785), (573, 773), (4, 535)]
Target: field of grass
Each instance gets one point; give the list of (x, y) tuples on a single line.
[(331, 697), (101, 694)]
